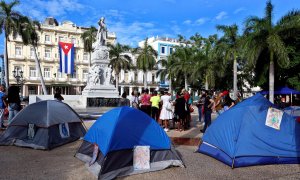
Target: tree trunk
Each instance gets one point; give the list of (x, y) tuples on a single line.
[(145, 80), (170, 84), (117, 81), (206, 82), (271, 78), (38, 68), (90, 59), (6, 64), (234, 78), (185, 82)]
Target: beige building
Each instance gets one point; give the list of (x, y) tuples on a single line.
[(21, 59)]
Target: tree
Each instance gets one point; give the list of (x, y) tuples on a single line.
[(89, 37), (264, 41), (165, 71), (183, 62), (119, 60), (229, 48), (146, 59), (9, 23), (28, 31)]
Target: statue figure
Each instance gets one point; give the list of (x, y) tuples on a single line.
[(107, 76), (102, 32)]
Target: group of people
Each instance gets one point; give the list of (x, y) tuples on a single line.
[(161, 107), (208, 103), (10, 103)]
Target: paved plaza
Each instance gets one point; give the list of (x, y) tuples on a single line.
[(60, 163)]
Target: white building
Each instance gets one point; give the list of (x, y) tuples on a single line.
[(21, 58)]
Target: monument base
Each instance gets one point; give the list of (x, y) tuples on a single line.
[(101, 91)]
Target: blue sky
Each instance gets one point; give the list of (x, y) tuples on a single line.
[(134, 20)]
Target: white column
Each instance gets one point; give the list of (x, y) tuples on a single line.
[(52, 90), (39, 90), (140, 89), (130, 90), (24, 90), (122, 90)]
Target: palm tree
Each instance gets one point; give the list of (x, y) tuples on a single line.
[(263, 36), (229, 48), (9, 23), (165, 71), (119, 60), (28, 31), (89, 37), (146, 59), (183, 62)]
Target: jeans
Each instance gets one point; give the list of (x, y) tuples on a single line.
[(12, 114), (1, 117), (200, 112), (219, 112), (207, 119)]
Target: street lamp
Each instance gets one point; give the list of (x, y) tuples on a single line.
[(18, 75)]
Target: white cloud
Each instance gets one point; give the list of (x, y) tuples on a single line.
[(197, 22), (187, 22), (221, 15), (239, 10), (200, 21), (39, 9)]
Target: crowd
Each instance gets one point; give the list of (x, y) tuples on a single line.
[(162, 108)]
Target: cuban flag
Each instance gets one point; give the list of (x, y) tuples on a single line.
[(66, 56)]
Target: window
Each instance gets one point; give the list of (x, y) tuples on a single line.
[(32, 72), (171, 50), (59, 74), (47, 38), (47, 53), (18, 70), (60, 39), (18, 51), (73, 40), (85, 56), (47, 72), (84, 74), (31, 52), (163, 50)]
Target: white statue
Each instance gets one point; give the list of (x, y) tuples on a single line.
[(107, 76), (102, 32)]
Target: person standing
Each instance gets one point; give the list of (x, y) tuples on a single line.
[(57, 95), (208, 104), (134, 101), (227, 101), (166, 113), (180, 111), (218, 104), (155, 100), (200, 104), (2, 105), (13, 101), (145, 102), (124, 101)]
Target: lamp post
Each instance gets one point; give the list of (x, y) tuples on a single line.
[(18, 75)]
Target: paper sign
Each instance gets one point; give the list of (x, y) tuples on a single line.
[(141, 158), (274, 117), (64, 130)]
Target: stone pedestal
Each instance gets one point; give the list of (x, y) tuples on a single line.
[(100, 82)]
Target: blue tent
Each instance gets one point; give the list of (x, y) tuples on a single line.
[(239, 136), (116, 134), (282, 90), (124, 128)]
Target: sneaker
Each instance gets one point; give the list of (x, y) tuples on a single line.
[(166, 129)]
